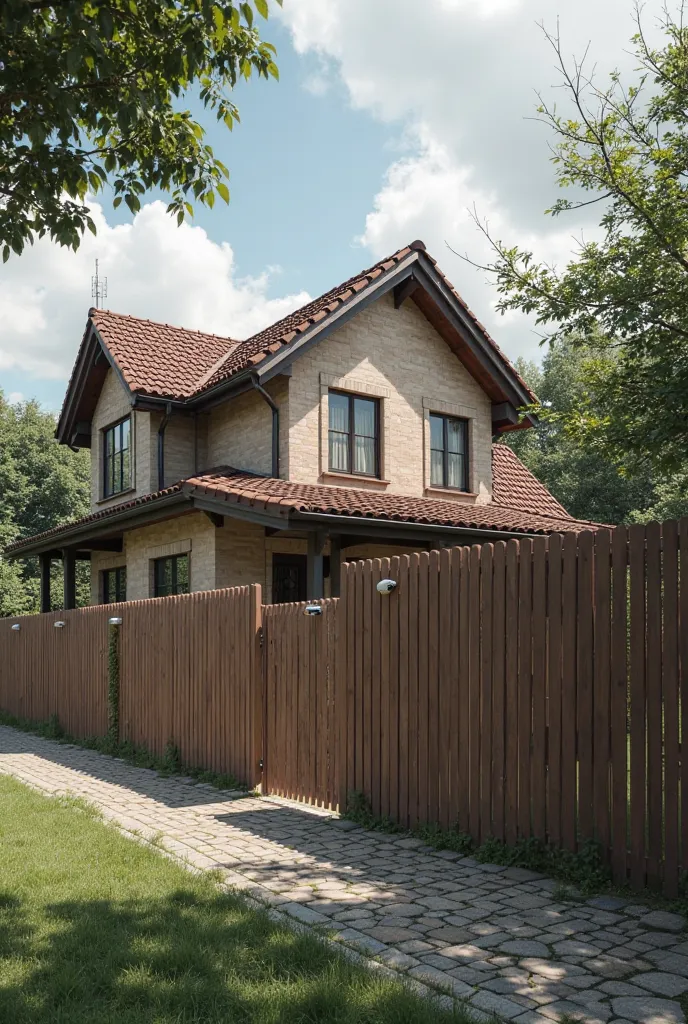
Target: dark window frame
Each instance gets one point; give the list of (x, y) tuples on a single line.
[(466, 488), (174, 586), (120, 575), (351, 396), (109, 486)]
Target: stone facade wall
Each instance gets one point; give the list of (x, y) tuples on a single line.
[(240, 431), (240, 554), (180, 448), (397, 356), (113, 405)]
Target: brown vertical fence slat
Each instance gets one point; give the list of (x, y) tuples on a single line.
[(653, 683), (498, 690), (670, 844), (601, 689), (534, 688), (538, 776), (511, 695), (619, 703), (683, 685), (485, 721), (638, 763)]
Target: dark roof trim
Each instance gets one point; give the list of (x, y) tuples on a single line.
[(349, 524), (148, 512), (90, 345)]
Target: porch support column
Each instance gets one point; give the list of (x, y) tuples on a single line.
[(69, 567), (335, 565), (315, 573), (45, 562)]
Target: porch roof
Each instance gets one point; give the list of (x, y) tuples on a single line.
[(521, 505)]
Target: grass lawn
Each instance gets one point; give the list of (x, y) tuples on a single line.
[(95, 928)]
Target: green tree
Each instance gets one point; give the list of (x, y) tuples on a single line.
[(579, 473), (625, 292), (42, 484), (92, 93)]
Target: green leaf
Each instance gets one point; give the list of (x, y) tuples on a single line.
[(223, 191), (262, 7)]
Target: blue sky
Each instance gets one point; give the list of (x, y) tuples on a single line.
[(389, 123)]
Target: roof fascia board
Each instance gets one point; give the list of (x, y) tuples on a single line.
[(84, 359), (240, 510), (430, 280), (138, 516), (349, 524)]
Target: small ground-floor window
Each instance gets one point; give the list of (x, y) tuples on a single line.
[(115, 585), (171, 575)]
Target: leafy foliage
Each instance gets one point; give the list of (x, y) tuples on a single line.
[(42, 484), (92, 93), (626, 291)]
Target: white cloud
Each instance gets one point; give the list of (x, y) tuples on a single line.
[(459, 80), (15, 397), (155, 269)]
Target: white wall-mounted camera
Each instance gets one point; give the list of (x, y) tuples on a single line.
[(312, 609), (386, 586)]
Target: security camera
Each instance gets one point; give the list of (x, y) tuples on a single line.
[(312, 609), (386, 586)]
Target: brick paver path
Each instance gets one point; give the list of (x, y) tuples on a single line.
[(494, 936)]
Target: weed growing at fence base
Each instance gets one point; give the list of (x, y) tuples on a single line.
[(96, 928), (169, 764)]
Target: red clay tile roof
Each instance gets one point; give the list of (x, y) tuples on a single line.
[(158, 359), (172, 362), (520, 504), (515, 486)]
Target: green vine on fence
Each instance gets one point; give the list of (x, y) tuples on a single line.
[(113, 684)]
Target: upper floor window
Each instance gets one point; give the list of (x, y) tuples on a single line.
[(115, 585), (448, 452), (117, 458), (171, 575), (354, 434)]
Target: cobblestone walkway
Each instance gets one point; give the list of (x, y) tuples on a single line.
[(496, 937)]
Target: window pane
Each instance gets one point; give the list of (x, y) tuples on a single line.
[(456, 436), (126, 469), (182, 574), (437, 433), (436, 469), (339, 412), (455, 471), (109, 441), (364, 417), (121, 585), (339, 452), (126, 428), (364, 452)]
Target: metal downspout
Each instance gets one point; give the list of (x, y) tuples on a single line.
[(275, 426), (161, 446)]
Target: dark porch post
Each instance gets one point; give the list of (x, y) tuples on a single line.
[(315, 574), (45, 562), (69, 567), (335, 565)]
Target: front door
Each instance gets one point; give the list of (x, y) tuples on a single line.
[(288, 578)]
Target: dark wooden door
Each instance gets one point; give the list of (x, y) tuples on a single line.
[(288, 578)]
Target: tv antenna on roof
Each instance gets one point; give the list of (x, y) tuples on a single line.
[(98, 288)]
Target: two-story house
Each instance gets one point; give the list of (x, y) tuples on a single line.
[(362, 425)]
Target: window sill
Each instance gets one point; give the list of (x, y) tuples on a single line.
[(115, 498), (451, 494), (353, 478)]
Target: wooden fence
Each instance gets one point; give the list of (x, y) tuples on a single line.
[(523, 689), (47, 670)]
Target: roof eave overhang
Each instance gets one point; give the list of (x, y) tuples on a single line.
[(368, 525), (417, 266), (80, 534)]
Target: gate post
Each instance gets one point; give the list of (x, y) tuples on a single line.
[(257, 686)]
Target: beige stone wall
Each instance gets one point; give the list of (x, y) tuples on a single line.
[(240, 431), (180, 448), (240, 554), (113, 405), (397, 356)]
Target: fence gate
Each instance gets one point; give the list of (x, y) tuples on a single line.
[(300, 721)]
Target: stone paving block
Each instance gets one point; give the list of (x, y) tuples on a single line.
[(532, 1017), (607, 902), (663, 984), (440, 979), (465, 953), (415, 946), (586, 1015), (390, 936), (499, 1005), (648, 1010), (352, 937), (664, 921), (573, 947), (399, 961), (674, 963), (450, 935), (304, 914), (525, 947)]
